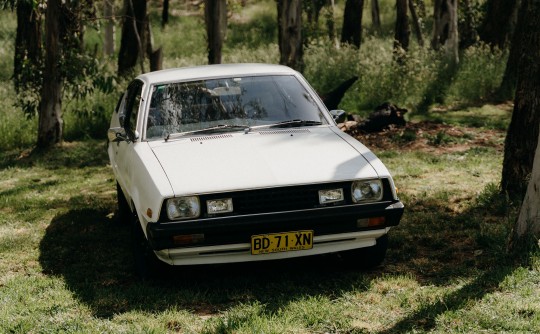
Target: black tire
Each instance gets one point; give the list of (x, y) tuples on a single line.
[(147, 265), (367, 258), (124, 211)]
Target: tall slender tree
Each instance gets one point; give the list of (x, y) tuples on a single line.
[(27, 60), (50, 112), (403, 30), (416, 23), (109, 31), (375, 15), (351, 33), (290, 33), (445, 28), (133, 37), (508, 83), (215, 15), (521, 139), (522, 146)]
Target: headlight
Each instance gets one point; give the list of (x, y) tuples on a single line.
[(366, 191), (215, 206), (183, 207), (330, 196)]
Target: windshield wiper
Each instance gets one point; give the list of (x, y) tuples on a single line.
[(210, 129), (286, 124)]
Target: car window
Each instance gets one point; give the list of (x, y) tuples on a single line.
[(189, 106), (130, 107)]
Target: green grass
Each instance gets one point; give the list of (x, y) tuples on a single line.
[(66, 267)]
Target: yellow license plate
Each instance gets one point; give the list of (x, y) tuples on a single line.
[(281, 242)]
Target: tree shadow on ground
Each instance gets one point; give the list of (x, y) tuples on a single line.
[(90, 250), (438, 89)]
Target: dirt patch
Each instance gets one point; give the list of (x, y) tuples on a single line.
[(435, 138)]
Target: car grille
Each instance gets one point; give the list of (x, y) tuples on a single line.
[(278, 199), (282, 199)]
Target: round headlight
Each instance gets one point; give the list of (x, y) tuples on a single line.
[(183, 207), (366, 191)]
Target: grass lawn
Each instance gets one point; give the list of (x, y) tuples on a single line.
[(65, 264)]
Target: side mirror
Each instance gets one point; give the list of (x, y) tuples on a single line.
[(338, 115), (117, 135)]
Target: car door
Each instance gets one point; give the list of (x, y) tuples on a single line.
[(123, 151)]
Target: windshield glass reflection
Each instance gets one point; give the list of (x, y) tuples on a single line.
[(247, 101)]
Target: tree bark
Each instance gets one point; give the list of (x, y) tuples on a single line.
[(133, 37), (468, 34), (402, 31), (445, 29), (109, 31), (165, 14), (416, 23), (499, 22), (508, 84), (375, 15), (215, 15), (528, 222), (351, 32), (50, 112), (27, 43), (290, 33), (521, 139), (330, 23)]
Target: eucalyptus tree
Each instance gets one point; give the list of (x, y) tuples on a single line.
[(290, 33), (351, 32), (521, 139), (215, 17)]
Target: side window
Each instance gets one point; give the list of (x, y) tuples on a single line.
[(131, 108)]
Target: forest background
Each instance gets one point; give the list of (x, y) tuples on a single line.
[(448, 268)]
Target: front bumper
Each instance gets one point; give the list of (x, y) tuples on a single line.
[(227, 239)]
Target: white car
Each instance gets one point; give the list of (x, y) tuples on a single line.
[(243, 162)]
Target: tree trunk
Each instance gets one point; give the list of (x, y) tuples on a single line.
[(351, 32), (402, 31), (528, 222), (27, 44), (508, 84), (416, 23), (131, 44), (290, 33), (165, 14), (215, 15), (109, 31), (50, 113), (445, 29), (499, 22), (521, 140), (468, 34), (331, 23), (375, 15)]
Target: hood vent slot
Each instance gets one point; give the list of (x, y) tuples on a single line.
[(280, 132), (197, 139)]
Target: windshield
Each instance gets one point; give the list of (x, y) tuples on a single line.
[(229, 103)]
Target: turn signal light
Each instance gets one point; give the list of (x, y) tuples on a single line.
[(370, 222), (188, 239)]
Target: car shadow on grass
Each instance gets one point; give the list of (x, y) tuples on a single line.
[(90, 250)]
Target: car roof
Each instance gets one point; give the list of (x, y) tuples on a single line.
[(213, 71)]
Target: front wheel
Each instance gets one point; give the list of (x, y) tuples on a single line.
[(147, 265), (368, 257)]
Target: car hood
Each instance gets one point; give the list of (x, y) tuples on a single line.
[(259, 159)]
